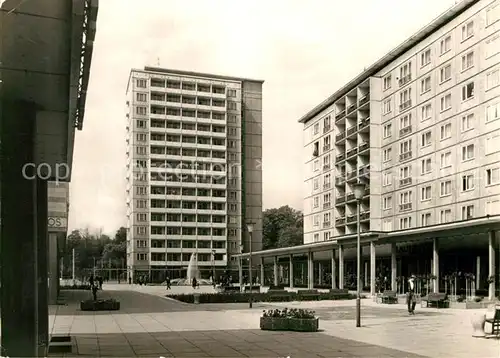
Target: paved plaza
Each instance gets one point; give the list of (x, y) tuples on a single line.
[(150, 325)]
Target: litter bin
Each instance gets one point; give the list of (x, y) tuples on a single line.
[(196, 298)]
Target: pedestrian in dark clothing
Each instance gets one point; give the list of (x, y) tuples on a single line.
[(168, 283), (129, 280), (91, 281), (410, 296), (195, 283), (100, 280)]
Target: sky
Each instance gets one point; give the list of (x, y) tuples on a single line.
[(304, 50)]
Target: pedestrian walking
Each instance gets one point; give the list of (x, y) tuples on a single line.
[(410, 296)]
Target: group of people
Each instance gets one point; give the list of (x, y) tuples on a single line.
[(95, 284)]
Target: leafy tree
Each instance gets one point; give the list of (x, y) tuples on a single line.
[(115, 252), (282, 227)]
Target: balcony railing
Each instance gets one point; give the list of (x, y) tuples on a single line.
[(405, 156), (326, 186), (364, 216), (351, 218), (405, 181), (350, 197), (340, 157), (405, 207), (340, 199), (353, 174), (339, 137), (363, 146), (351, 108), (405, 105), (326, 129), (364, 171), (340, 221), (404, 80), (327, 224), (340, 180), (351, 130), (364, 123), (326, 167), (326, 205), (340, 115), (367, 192), (406, 130), (352, 151), (364, 99), (326, 147)]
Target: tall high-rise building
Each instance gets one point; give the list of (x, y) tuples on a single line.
[(420, 127), (194, 176)]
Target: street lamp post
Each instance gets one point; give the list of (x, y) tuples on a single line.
[(250, 230), (359, 192), (213, 267)]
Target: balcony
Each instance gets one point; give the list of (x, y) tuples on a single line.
[(340, 137), (339, 157), (364, 216), (363, 146), (351, 219), (340, 221), (364, 99), (405, 207), (315, 152), (352, 152), (405, 156), (352, 175), (352, 130), (350, 197), (405, 181), (364, 171), (339, 116), (340, 180), (405, 131), (405, 105), (340, 199), (364, 124), (404, 80), (326, 129), (351, 108), (327, 224), (367, 193), (327, 205), (326, 186), (326, 167), (326, 147)]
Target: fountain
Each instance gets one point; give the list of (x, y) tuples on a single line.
[(192, 272)]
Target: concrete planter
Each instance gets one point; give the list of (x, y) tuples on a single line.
[(100, 305), (274, 323), (289, 324), (478, 320)]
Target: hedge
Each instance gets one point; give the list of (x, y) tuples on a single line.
[(75, 287), (233, 297)]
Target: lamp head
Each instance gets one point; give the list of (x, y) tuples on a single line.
[(250, 227), (359, 190)]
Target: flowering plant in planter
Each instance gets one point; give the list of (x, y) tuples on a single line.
[(289, 320)]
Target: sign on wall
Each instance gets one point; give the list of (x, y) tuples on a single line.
[(56, 223)]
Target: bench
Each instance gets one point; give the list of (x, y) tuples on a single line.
[(495, 323), (436, 299), (278, 295), (389, 297), (308, 295), (230, 289)]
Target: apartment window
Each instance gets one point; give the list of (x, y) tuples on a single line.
[(141, 217), (140, 190), (445, 160), (316, 202), (426, 166), (327, 181), (468, 91), (445, 45), (233, 207), (405, 73), (316, 129), (387, 202), (327, 198), (142, 257), (445, 73), (446, 102), (141, 83), (467, 182), (405, 172), (316, 237), (468, 122), (232, 105), (426, 193), (386, 178), (142, 204), (405, 121), (426, 112), (316, 165), (231, 92), (467, 61), (467, 30), (445, 188), (467, 212), (425, 57), (140, 230), (141, 123), (493, 176), (316, 220), (492, 14), (141, 150), (405, 223), (446, 131), (387, 225), (405, 197), (426, 139), (405, 147), (387, 130), (141, 137), (493, 207), (426, 219), (468, 152), (326, 122), (140, 110), (326, 236), (492, 112), (326, 218), (492, 143), (405, 99), (386, 106), (387, 82), (326, 162), (492, 79), (492, 46), (445, 216), (425, 85), (316, 184), (387, 154), (233, 220), (141, 97)]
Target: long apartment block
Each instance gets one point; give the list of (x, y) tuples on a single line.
[(420, 127), (194, 176)]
